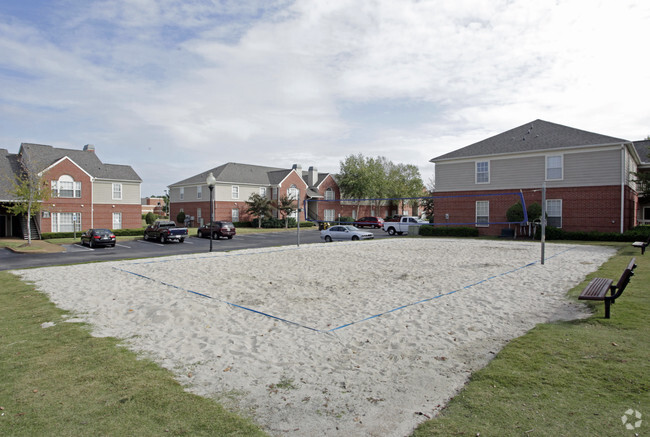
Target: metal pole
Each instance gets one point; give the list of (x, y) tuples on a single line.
[(211, 216), (543, 222)]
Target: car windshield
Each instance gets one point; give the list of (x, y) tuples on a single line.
[(103, 232), (351, 228)]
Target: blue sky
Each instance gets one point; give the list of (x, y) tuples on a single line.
[(174, 88)]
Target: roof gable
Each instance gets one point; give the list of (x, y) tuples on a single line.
[(38, 157), (643, 149), (533, 136)]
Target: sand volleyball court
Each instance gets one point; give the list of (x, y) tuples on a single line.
[(365, 338)]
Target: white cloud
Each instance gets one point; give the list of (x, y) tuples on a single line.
[(280, 82)]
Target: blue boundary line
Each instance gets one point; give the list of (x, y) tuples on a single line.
[(328, 331)]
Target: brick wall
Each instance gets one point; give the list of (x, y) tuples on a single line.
[(583, 208)]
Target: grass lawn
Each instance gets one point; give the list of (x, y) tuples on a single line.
[(62, 381), (565, 379)]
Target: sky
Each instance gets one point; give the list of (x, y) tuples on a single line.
[(174, 88)]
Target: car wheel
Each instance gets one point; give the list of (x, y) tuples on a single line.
[(355, 238), (90, 243), (113, 245), (199, 234), (400, 233), (163, 239), (391, 231), (230, 237), (328, 239), (182, 239), (145, 237), (215, 236)]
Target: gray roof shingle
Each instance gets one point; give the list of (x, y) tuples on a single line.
[(236, 173), (533, 136), (40, 156), (643, 149)]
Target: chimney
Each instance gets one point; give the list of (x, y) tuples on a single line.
[(298, 169), (312, 176), (89, 148)]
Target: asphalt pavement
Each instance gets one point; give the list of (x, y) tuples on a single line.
[(133, 249)]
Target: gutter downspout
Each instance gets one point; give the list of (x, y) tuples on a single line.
[(92, 203), (623, 167)]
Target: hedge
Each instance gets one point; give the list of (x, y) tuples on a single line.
[(634, 234), (447, 231), (117, 232)]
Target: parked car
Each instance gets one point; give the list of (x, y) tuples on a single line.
[(165, 230), (98, 237), (345, 232), (402, 226), (219, 229), (372, 222)]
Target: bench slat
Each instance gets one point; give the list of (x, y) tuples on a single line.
[(596, 289)]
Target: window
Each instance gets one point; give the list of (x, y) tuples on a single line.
[(117, 191), (292, 192), (182, 193), (329, 194), (198, 213), (329, 215), (483, 172), (263, 191), (554, 212), (117, 220), (66, 221), (235, 192), (199, 192), (482, 213), (66, 187), (235, 215), (554, 167)]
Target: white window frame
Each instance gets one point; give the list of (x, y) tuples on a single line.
[(199, 192), (181, 193), (263, 191), (234, 215), (484, 205), (329, 194), (66, 221), (293, 192), (329, 215), (552, 206), (234, 190), (483, 172), (72, 186), (547, 168), (117, 191), (117, 220)]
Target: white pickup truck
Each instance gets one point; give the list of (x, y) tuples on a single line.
[(402, 226)]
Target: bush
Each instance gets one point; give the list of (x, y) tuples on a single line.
[(180, 217), (634, 234), (344, 220), (447, 231), (117, 232), (515, 213), (150, 218)]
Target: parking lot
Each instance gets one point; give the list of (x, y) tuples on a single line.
[(139, 248)]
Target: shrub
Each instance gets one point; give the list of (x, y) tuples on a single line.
[(150, 218), (447, 231), (344, 220), (180, 217), (534, 211), (117, 232), (634, 234), (515, 213)]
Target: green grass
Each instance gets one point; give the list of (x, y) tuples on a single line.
[(564, 379), (61, 381)]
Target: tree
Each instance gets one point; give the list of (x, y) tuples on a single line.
[(642, 180), (286, 205), (180, 218), (259, 207), (30, 190), (150, 218), (378, 178)]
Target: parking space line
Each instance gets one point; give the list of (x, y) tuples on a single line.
[(122, 245)]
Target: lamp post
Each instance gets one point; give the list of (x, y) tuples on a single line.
[(211, 181)]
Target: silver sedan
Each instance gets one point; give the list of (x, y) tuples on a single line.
[(345, 232)]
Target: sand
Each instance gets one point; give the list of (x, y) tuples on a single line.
[(328, 367)]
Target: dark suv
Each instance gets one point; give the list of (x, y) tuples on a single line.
[(219, 229), (373, 222)]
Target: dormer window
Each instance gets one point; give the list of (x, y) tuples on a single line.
[(66, 186)]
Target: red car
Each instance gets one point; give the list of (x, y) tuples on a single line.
[(372, 222)]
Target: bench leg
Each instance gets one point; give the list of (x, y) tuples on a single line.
[(607, 305), (642, 250)]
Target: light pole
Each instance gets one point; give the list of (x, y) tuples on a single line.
[(211, 181)]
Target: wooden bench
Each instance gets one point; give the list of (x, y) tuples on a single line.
[(598, 287), (642, 245)]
